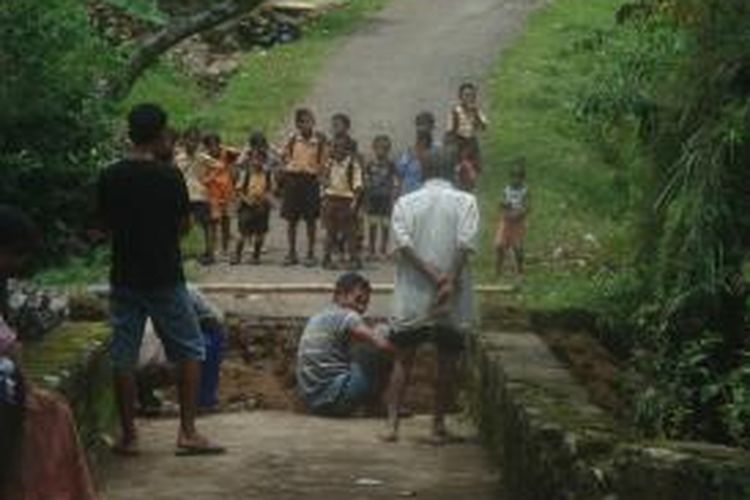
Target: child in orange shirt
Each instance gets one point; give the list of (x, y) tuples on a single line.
[(218, 179)]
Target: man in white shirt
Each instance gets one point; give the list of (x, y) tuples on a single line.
[(434, 233)]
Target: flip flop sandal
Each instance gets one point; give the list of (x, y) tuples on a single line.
[(192, 451), (125, 451)]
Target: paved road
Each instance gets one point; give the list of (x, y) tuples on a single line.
[(410, 56)]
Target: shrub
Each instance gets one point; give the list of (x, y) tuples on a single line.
[(55, 126)]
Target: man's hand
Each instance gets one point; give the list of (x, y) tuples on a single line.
[(385, 345), (446, 289)]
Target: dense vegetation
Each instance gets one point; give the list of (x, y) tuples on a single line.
[(55, 127), (674, 80), (634, 120), (60, 123)]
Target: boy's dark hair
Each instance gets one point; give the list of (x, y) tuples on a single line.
[(343, 118), (210, 138), (146, 123), (257, 140), (382, 138), (18, 232), (425, 117), (349, 282), (302, 113), (467, 86)]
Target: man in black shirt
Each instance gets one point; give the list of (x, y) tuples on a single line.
[(144, 204)]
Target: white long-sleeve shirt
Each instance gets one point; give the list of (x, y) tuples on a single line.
[(436, 222)]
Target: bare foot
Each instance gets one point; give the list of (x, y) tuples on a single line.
[(388, 436)]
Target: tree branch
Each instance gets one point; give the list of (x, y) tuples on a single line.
[(149, 50)]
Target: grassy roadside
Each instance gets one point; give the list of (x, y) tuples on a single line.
[(267, 84), (532, 95), (259, 96)]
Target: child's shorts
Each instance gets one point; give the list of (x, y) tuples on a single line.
[(376, 220), (253, 219), (338, 215), (301, 197), (201, 212)]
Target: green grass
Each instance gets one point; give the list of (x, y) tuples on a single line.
[(532, 97), (266, 86), (259, 96)]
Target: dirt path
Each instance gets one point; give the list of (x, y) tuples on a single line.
[(285, 456)]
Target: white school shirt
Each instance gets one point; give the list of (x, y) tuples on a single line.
[(436, 221)]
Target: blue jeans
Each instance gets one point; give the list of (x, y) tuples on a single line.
[(174, 318), (348, 389)]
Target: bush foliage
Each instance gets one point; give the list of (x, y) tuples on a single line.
[(55, 127), (673, 79)]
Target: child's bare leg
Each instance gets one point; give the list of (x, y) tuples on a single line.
[(329, 245), (237, 258), (400, 376), (373, 229), (384, 234), (351, 239), (520, 265), (258, 247), (499, 261), (213, 229), (312, 229), (226, 233), (206, 229), (291, 237)]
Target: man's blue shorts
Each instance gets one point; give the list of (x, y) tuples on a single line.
[(174, 319)]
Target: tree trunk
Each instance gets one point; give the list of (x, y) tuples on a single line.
[(148, 51)]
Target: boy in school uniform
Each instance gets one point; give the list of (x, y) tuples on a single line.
[(254, 195), (343, 188), (304, 158), (379, 193)]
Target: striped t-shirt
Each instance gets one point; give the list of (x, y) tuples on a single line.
[(324, 355)]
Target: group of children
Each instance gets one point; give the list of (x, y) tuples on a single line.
[(328, 178)]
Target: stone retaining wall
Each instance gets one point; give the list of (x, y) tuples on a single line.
[(72, 360), (554, 444)]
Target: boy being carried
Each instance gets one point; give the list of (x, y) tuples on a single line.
[(380, 191), (329, 380), (343, 187), (305, 155)]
